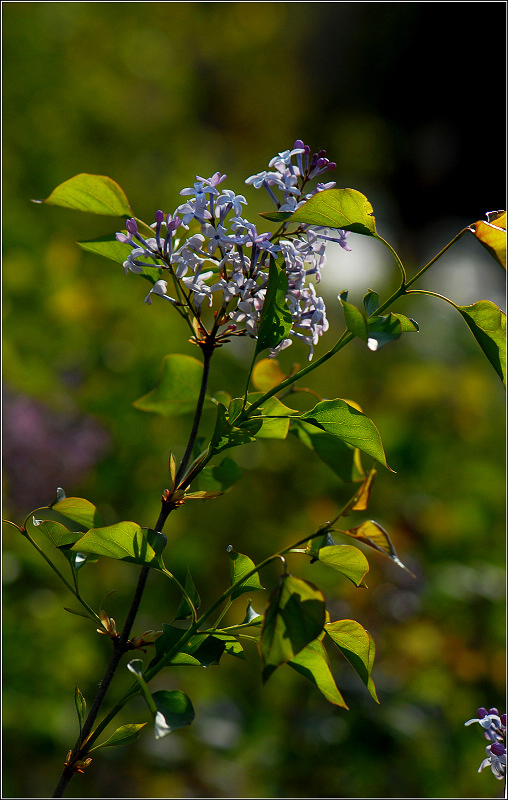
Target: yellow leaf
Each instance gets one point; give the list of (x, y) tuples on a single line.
[(492, 234)]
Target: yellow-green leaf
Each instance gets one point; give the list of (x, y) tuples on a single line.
[(95, 194), (492, 234)]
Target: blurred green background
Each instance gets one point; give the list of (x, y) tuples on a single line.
[(407, 98)]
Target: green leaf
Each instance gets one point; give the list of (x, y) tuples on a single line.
[(184, 610), (231, 645), (174, 711), (487, 323), (107, 246), (347, 423), (317, 542), (80, 702), (125, 734), (221, 476), (178, 388), (312, 662), (347, 209), (347, 560), (79, 510), (294, 616), (206, 649), (240, 565), (251, 616), (200, 650), (225, 435), (96, 194), (118, 251), (356, 322), (271, 420), (492, 235), (372, 534), (357, 645), (125, 541), (383, 329), (336, 454), (267, 374), (276, 321), (59, 535), (370, 302), (78, 613)]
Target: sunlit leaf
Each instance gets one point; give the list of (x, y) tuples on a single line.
[(357, 645), (362, 499), (349, 561), (335, 208), (347, 423), (174, 711), (178, 389), (487, 323), (356, 322), (96, 194), (125, 734), (317, 542), (270, 421), (312, 662), (276, 321), (58, 534), (375, 536), (79, 510), (239, 566), (125, 541), (294, 616), (267, 374), (184, 610), (231, 645), (492, 235)]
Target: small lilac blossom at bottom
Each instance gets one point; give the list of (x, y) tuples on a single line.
[(494, 729)]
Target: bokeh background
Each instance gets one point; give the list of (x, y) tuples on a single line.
[(408, 99)]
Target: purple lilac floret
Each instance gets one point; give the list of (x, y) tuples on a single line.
[(494, 730), (229, 257)]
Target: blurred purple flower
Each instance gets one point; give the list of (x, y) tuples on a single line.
[(43, 449)]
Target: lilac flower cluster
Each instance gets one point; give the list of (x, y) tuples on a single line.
[(494, 730), (230, 258)]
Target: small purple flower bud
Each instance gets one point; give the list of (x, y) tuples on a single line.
[(494, 711), (497, 748), (482, 712), (332, 165), (321, 162), (503, 720), (321, 154), (298, 144), (121, 237), (159, 216), (131, 226)]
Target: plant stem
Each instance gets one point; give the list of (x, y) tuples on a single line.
[(121, 644), (207, 357), (120, 647)]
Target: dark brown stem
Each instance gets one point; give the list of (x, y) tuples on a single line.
[(121, 643), (207, 349), (120, 647)]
